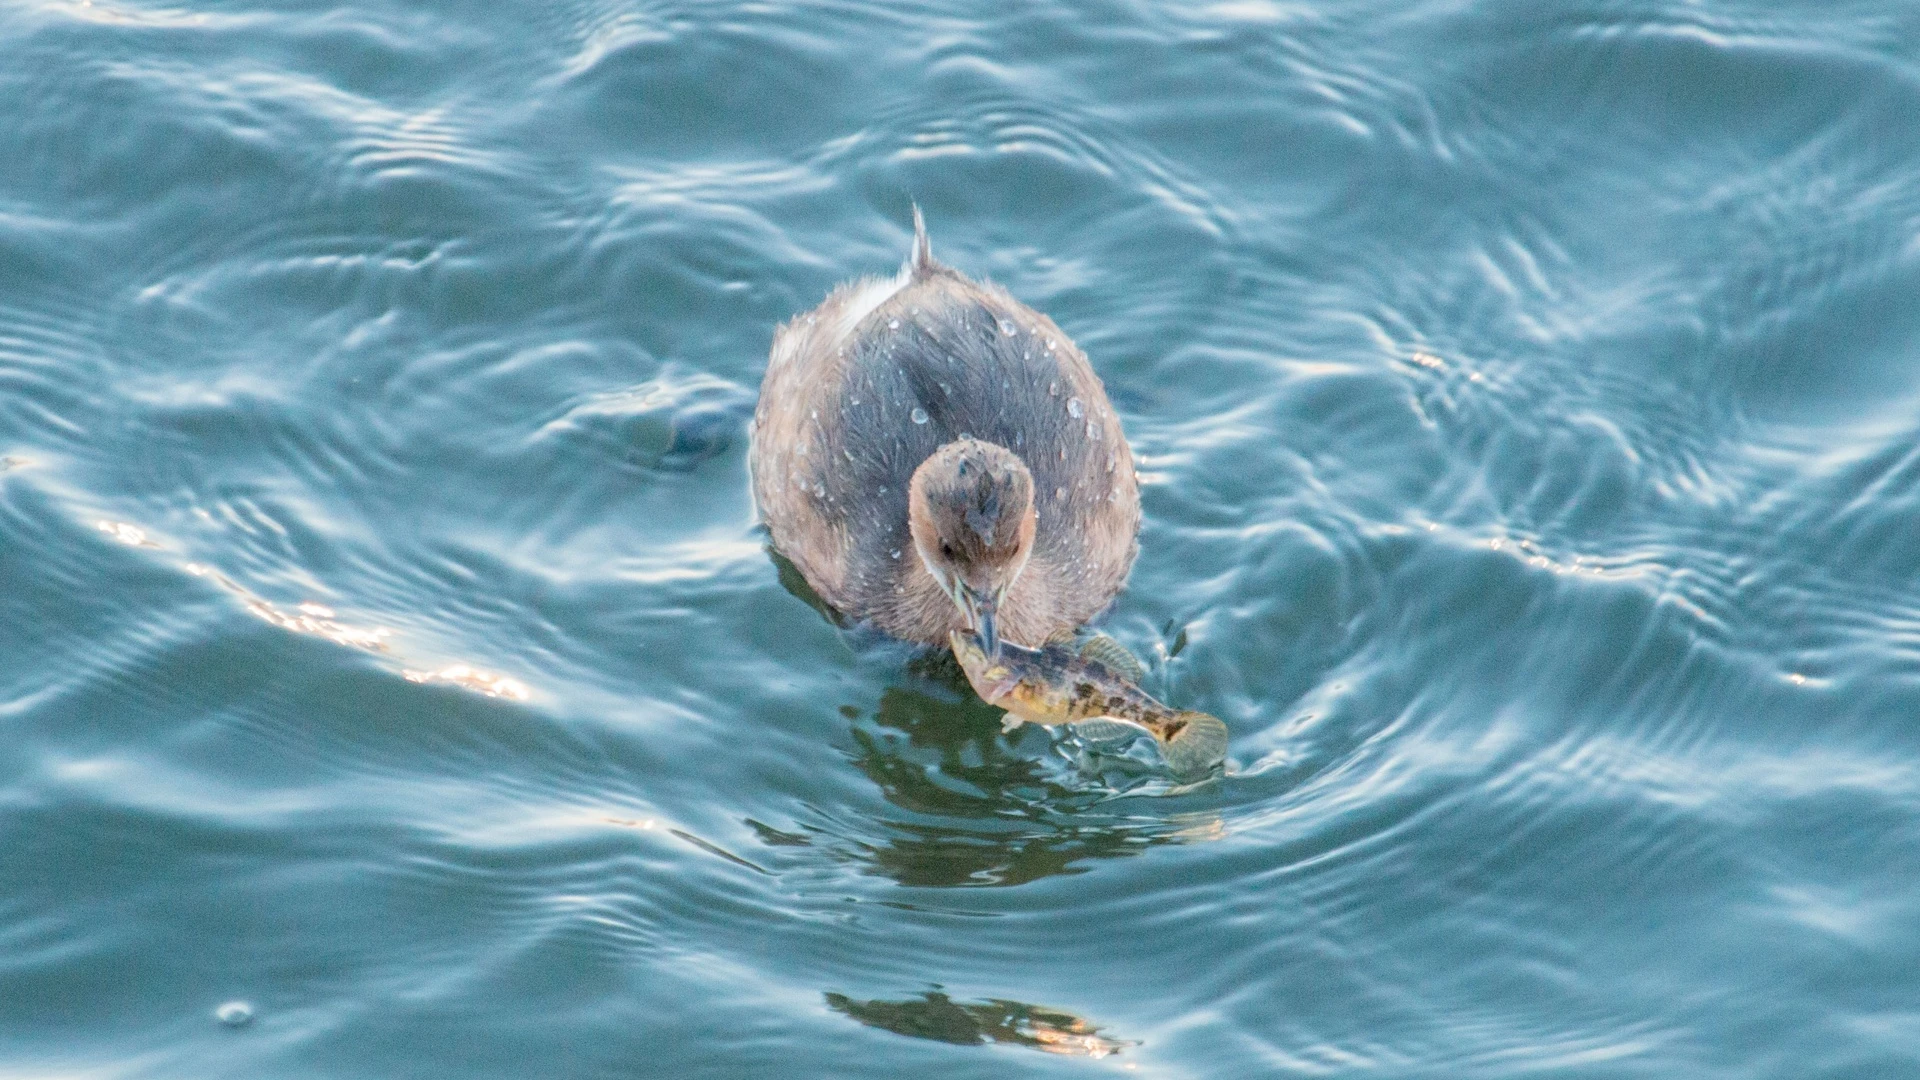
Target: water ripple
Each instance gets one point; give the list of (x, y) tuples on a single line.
[(1525, 420)]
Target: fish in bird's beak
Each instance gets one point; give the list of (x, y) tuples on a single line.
[(991, 679)]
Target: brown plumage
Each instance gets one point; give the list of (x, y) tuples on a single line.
[(930, 452)]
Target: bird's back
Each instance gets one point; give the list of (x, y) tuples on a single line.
[(862, 390)]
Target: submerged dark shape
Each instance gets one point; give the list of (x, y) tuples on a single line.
[(936, 1016), (698, 434), (932, 454)]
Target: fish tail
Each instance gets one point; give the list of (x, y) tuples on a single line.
[(1193, 743)]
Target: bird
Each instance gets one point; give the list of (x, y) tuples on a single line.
[(934, 455)]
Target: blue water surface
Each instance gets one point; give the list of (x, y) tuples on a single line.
[(394, 682)]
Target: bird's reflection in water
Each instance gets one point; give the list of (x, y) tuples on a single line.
[(998, 809), (936, 1016), (792, 580)]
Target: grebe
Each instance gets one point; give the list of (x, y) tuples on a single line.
[(934, 455)]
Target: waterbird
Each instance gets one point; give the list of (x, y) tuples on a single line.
[(934, 455)]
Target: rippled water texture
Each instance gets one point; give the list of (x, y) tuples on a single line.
[(393, 682)]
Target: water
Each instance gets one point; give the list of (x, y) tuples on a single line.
[(393, 681)]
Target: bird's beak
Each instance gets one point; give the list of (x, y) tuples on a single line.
[(982, 611)]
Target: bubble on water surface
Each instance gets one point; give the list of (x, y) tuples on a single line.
[(919, 415), (234, 1014), (1075, 409)]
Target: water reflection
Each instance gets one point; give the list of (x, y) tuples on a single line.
[(994, 808), (486, 683), (936, 1016), (322, 621), (128, 534), (796, 584)]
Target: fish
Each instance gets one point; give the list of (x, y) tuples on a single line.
[(1058, 685)]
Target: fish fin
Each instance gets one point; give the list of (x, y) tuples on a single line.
[(920, 256), (1010, 722), (1192, 743), (1108, 729), (1104, 649)]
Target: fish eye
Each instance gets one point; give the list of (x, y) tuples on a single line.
[(946, 550)]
